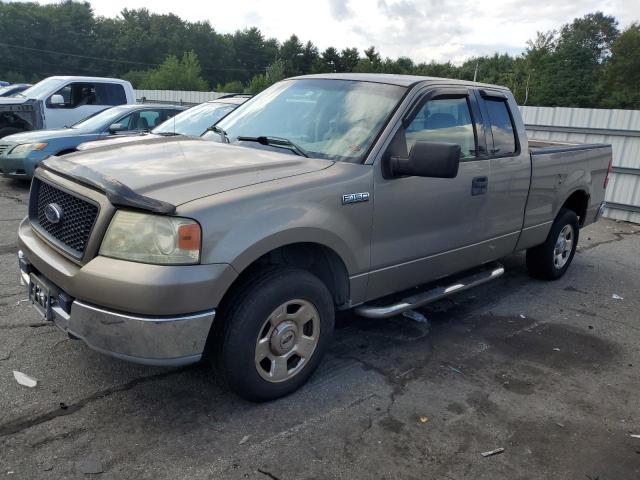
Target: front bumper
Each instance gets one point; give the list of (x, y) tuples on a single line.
[(152, 340), (21, 167)]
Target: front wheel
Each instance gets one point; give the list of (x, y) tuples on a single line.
[(551, 260), (275, 329)]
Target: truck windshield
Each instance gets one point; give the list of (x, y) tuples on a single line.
[(332, 119), (40, 89), (195, 121)]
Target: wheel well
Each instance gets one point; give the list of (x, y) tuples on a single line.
[(578, 202), (322, 261)]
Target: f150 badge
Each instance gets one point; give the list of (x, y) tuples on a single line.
[(355, 197)]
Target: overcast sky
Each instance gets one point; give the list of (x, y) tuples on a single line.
[(423, 30)]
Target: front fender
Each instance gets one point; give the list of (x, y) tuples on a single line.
[(313, 235), (242, 225)]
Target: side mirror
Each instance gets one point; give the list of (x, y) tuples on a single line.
[(115, 128), (429, 159), (57, 99)]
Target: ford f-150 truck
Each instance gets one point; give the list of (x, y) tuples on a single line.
[(378, 193), (56, 102)]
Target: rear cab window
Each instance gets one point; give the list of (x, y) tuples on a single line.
[(110, 94), (501, 126)]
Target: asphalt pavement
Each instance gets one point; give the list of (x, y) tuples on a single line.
[(547, 371)]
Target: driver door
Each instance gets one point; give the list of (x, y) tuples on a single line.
[(426, 228)]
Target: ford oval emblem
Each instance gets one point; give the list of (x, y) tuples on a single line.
[(53, 213)]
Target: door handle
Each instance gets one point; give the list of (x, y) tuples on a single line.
[(479, 185)]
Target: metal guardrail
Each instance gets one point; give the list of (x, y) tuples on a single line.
[(626, 170), (166, 102), (623, 206), (584, 130)]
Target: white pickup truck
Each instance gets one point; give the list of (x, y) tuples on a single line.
[(56, 102)]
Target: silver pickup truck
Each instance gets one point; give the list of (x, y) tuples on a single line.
[(378, 193)]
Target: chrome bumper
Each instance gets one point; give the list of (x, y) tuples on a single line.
[(163, 341)]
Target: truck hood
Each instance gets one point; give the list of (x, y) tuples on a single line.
[(175, 170), (117, 140), (12, 101)]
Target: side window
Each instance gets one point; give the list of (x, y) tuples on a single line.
[(127, 122), (504, 140), (110, 94), (76, 95), (148, 119), (444, 120), (66, 94)]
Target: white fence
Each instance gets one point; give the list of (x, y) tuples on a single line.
[(177, 97), (620, 128)]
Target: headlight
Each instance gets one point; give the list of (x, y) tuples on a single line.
[(149, 238), (26, 148)]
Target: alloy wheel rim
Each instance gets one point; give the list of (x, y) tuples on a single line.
[(287, 340), (563, 247)]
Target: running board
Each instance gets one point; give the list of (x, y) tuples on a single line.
[(488, 273)]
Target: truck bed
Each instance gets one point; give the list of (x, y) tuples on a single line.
[(559, 171)]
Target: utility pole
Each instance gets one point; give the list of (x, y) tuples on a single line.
[(475, 74)]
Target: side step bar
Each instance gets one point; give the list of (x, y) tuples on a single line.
[(490, 272)]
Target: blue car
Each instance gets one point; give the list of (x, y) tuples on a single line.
[(21, 153)]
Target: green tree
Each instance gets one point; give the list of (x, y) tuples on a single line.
[(234, 86), (274, 73), (576, 63), (373, 56), (586, 62), (172, 74), (349, 58), (329, 60), (291, 54), (620, 84)]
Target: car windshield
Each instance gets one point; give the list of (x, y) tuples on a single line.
[(333, 119), (48, 85), (195, 121), (4, 90), (100, 120)]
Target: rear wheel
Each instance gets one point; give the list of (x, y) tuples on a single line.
[(551, 260), (275, 329)]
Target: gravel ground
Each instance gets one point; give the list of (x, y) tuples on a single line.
[(547, 371)]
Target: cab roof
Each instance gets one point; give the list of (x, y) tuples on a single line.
[(394, 79), (89, 79)]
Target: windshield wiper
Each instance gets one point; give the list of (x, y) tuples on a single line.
[(220, 131), (276, 142)]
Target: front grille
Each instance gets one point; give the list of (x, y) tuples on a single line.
[(77, 217), (4, 148)]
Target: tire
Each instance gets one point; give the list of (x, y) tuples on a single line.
[(9, 131), (253, 341), (545, 261)]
